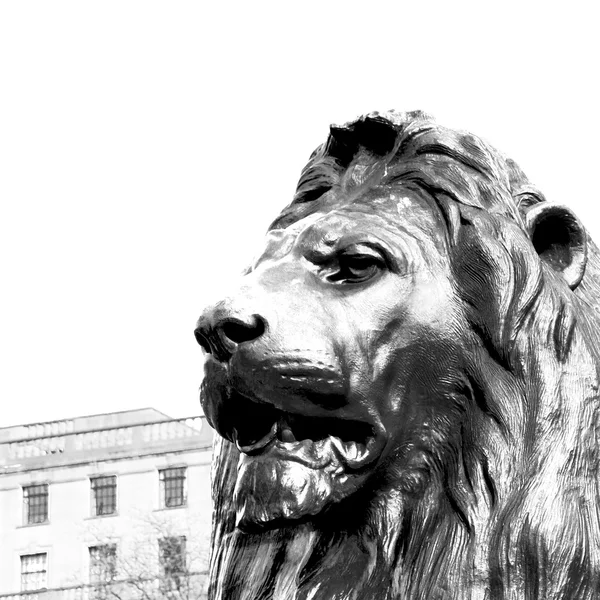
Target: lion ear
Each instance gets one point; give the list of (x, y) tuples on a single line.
[(559, 239)]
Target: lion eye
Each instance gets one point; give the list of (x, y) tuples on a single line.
[(356, 268)]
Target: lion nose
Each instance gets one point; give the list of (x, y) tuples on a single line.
[(220, 333)]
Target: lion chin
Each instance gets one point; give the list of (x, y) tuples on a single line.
[(279, 481), (270, 491)]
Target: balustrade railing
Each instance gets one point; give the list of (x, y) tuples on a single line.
[(110, 438)]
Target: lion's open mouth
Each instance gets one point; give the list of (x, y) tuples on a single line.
[(260, 428)]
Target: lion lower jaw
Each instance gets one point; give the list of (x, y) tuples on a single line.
[(271, 490)]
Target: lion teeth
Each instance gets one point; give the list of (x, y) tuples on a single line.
[(348, 450), (351, 450), (286, 435), (339, 446)]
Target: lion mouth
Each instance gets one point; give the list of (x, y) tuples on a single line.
[(261, 429)]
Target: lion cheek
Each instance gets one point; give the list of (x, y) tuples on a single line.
[(269, 492)]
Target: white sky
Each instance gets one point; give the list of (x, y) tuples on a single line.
[(145, 146)]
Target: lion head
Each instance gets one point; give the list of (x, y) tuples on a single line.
[(406, 382)]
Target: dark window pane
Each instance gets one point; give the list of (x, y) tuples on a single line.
[(172, 562), (104, 495), (35, 500), (172, 483), (103, 563)]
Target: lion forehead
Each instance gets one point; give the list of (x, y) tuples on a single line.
[(389, 218)]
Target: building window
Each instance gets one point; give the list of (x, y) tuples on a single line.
[(103, 563), (33, 571), (35, 504), (172, 487), (172, 563), (104, 495)]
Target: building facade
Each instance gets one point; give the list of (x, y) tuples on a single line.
[(106, 506)]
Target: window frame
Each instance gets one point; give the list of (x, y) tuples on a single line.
[(110, 560), (44, 586), (170, 579), (162, 484), (26, 498), (94, 497)]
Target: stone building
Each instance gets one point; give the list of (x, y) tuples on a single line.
[(106, 506)]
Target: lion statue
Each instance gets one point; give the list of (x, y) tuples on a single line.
[(406, 383)]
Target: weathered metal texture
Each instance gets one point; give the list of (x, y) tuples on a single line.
[(406, 383)]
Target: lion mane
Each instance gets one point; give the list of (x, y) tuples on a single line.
[(503, 501)]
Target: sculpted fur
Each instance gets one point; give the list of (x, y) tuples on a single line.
[(406, 383)]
